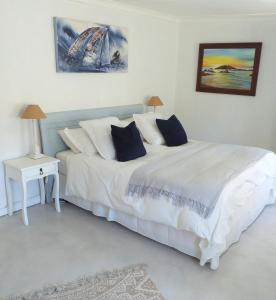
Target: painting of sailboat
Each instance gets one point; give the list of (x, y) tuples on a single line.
[(229, 68), (90, 47)]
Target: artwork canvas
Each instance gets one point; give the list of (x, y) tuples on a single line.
[(90, 47), (228, 68)]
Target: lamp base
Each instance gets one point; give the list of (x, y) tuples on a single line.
[(36, 155)]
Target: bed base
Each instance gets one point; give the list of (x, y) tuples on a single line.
[(182, 240)]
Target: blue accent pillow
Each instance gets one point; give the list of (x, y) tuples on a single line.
[(172, 131), (127, 142)]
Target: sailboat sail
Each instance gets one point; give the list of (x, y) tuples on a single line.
[(105, 53), (88, 46), (77, 49)]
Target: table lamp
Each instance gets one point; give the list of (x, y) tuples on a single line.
[(155, 101), (34, 113)]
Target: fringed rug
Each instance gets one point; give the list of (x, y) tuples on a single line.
[(130, 283)]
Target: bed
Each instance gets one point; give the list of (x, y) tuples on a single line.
[(98, 186)]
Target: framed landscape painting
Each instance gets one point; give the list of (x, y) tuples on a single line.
[(90, 47), (228, 68)]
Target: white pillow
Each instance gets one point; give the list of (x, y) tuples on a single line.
[(68, 142), (99, 131), (146, 124), (79, 141), (127, 121)]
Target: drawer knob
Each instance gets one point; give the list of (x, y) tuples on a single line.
[(41, 171)]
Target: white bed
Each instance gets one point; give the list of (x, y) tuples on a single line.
[(99, 186)]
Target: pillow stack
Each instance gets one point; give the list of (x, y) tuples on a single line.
[(99, 131), (78, 141), (122, 140), (146, 123)]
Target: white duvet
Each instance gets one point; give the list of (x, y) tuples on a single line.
[(106, 182)]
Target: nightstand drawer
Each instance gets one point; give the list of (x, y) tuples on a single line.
[(40, 171)]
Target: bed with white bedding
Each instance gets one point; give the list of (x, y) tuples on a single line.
[(236, 192)]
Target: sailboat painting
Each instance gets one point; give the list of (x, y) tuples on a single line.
[(90, 47)]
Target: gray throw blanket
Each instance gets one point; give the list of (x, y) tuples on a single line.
[(194, 176)]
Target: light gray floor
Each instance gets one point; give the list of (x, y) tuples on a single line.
[(62, 247)]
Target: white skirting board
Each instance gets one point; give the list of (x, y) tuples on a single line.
[(17, 205)]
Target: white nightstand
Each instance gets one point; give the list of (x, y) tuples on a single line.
[(25, 169)]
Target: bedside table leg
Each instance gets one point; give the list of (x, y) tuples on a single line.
[(24, 203), (56, 192), (42, 191), (9, 196)]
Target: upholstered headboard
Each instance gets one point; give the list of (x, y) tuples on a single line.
[(51, 141)]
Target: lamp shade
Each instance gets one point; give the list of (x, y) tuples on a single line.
[(155, 101), (33, 112)]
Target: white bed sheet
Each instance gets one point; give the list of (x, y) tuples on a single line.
[(62, 156), (104, 182)]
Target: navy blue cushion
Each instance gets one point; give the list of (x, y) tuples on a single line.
[(127, 142), (172, 131)]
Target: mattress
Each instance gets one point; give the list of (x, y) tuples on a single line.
[(62, 156)]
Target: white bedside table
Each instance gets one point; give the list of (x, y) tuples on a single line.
[(25, 169)]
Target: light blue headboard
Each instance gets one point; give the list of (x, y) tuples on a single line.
[(51, 141)]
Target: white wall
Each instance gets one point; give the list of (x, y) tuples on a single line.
[(28, 73), (161, 57), (228, 118)]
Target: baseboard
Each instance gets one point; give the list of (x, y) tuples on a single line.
[(17, 205)]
